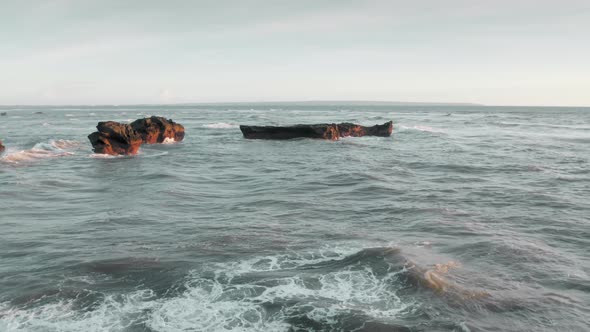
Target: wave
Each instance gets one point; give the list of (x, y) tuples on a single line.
[(273, 293), (141, 153), (105, 156), (329, 290), (421, 128), (63, 144), (51, 149), (221, 125)]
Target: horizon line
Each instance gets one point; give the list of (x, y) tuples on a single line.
[(295, 102)]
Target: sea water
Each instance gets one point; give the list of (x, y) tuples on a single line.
[(221, 233)]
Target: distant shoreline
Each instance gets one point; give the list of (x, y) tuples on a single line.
[(293, 103)]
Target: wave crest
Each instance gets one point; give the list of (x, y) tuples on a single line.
[(51, 149), (221, 125)]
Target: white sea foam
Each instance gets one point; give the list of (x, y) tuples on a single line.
[(64, 144), (168, 140), (104, 156), (221, 125), (226, 297), (113, 314), (421, 128), (52, 149)]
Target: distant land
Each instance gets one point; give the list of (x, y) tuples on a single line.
[(268, 103), (336, 103)]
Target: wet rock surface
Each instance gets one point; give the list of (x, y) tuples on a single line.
[(116, 138), (157, 129), (322, 131)]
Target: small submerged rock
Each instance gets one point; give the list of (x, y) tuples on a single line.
[(3, 114), (323, 131), (116, 138)]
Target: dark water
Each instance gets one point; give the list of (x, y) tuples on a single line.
[(221, 233)]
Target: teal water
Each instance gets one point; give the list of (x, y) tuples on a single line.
[(221, 233)]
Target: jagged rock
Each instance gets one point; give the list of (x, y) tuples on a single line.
[(157, 129), (115, 138), (324, 131)]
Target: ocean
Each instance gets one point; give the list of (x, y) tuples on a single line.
[(220, 233)]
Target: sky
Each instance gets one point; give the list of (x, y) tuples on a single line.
[(499, 52)]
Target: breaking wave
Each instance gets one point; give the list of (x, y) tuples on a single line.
[(421, 128), (51, 149), (221, 125), (314, 291)]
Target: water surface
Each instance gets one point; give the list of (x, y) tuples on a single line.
[(221, 233)]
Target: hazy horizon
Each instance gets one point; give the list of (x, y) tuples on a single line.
[(65, 52), (300, 103)]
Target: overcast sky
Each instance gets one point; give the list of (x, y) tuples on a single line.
[(121, 51)]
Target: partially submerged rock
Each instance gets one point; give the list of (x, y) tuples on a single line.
[(116, 138), (158, 130), (2, 148), (324, 131)]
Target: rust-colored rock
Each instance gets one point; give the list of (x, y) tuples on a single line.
[(1, 147), (324, 131), (157, 129), (115, 138)]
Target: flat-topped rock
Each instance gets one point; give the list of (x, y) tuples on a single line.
[(328, 131)]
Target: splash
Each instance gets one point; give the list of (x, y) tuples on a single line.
[(52, 149), (168, 140)]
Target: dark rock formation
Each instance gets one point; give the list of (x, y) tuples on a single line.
[(157, 129), (324, 131), (116, 138), (1, 147), (3, 114)]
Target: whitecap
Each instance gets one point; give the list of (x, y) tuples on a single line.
[(64, 144), (225, 297), (221, 125), (32, 155), (104, 156), (421, 128), (51, 149)]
